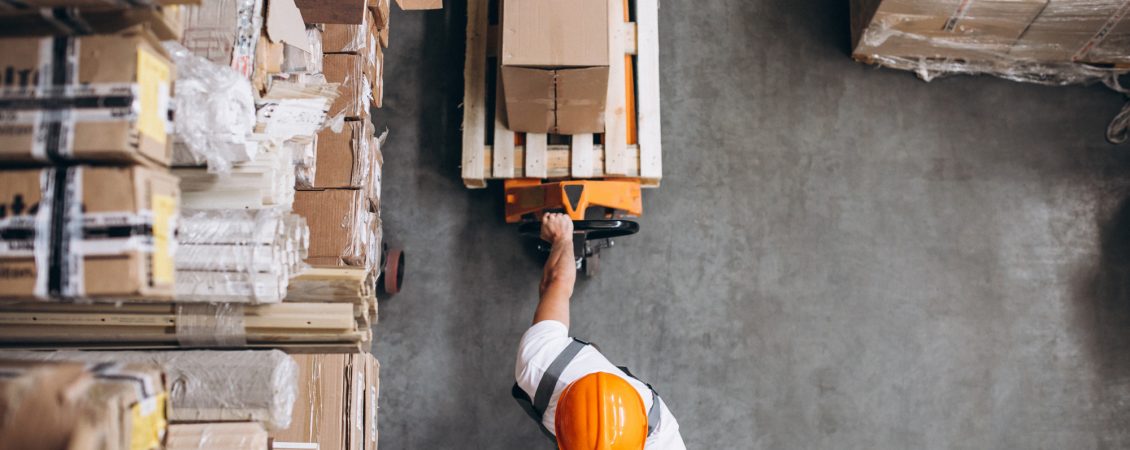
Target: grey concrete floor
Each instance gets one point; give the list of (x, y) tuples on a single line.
[(839, 256)]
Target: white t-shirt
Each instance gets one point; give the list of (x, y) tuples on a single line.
[(540, 346)]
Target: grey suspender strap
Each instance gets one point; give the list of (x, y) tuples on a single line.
[(653, 413), (553, 373)]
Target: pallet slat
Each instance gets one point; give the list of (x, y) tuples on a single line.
[(535, 152), (615, 109), (647, 84), (503, 137), (581, 149), (474, 94)]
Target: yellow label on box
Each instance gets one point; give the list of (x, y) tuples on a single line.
[(149, 423), (153, 79), (164, 211)]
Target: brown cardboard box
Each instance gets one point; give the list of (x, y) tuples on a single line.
[(555, 65), (342, 224), (124, 125), (358, 39), (343, 159), (980, 30), (380, 9), (355, 91), (78, 407), (117, 239), (420, 4), (335, 406), (332, 11)]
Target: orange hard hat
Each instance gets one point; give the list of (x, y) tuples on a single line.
[(600, 412)]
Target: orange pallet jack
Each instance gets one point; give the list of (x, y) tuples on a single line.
[(597, 207)]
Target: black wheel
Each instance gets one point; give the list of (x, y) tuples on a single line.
[(591, 229)]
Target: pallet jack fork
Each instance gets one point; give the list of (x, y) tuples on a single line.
[(527, 199)]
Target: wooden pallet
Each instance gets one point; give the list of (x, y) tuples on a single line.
[(502, 158)]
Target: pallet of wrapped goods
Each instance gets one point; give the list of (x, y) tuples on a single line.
[(57, 405), (106, 99), (209, 386), (237, 255), (93, 232), (336, 406), (216, 436), (296, 327)]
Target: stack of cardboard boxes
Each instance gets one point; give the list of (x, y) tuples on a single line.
[(91, 209), (341, 198)]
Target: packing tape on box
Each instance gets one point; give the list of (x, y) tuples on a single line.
[(210, 325), (58, 235), (49, 103)]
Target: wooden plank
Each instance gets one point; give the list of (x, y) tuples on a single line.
[(474, 95), (503, 137), (581, 148), (535, 155), (558, 162), (647, 86), (615, 111)]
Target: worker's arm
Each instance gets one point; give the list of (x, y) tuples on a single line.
[(560, 270)]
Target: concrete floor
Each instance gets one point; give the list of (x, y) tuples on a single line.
[(839, 256)]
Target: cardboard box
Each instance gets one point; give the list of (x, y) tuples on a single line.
[(336, 402), (355, 93), (113, 240), (981, 30), (225, 32), (420, 4), (343, 160), (332, 11), (342, 224), (79, 407), (555, 56), (380, 10), (115, 107), (362, 39)]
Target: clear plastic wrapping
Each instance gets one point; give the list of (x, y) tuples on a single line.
[(225, 32), (205, 385), (1041, 41), (295, 60), (216, 436), (215, 113), (244, 256)]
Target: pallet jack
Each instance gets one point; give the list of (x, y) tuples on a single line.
[(597, 207)]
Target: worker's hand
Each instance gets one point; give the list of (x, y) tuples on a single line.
[(556, 228)]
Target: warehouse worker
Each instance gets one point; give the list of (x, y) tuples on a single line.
[(567, 386)]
